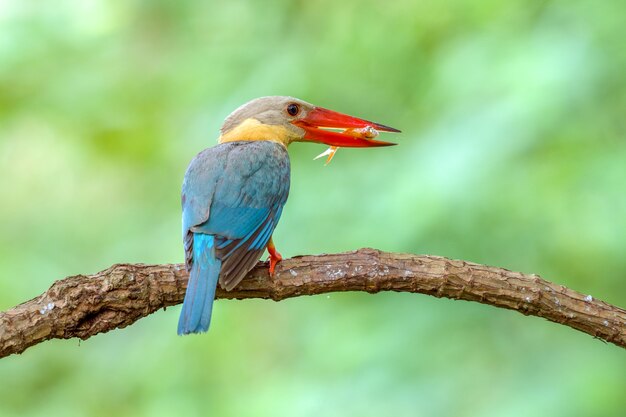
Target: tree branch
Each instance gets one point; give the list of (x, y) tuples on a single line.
[(85, 305)]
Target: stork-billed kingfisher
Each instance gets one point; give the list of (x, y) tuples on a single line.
[(233, 193)]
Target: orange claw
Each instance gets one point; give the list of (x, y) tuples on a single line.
[(275, 257)]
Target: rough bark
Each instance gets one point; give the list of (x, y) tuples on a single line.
[(85, 305)]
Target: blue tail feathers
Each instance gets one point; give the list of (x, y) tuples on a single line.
[(195, 316)]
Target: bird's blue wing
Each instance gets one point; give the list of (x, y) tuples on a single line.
[(235, 192)]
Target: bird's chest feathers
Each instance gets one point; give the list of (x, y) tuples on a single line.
[(253, 130)]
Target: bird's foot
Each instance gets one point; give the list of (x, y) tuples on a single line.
[(275, 257), (274, 260)]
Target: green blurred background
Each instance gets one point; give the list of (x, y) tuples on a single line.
[(513, 154)]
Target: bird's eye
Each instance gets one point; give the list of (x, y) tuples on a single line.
[(293, 109)]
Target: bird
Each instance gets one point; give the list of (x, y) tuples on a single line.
[(233, 193)]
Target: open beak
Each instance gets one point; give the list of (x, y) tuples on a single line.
[(349, 132)]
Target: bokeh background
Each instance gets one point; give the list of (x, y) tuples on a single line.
[(513, 154)]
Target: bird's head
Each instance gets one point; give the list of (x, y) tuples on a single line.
[(286, 119)]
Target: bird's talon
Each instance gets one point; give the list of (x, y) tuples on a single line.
[(274, 259), (275, 256)]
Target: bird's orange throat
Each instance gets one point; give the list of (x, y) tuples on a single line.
[(252, 129)]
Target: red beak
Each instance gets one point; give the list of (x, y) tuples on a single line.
[(319, 120)]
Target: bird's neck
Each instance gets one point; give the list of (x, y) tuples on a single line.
[(253, 130)]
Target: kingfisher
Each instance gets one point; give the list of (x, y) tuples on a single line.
[(234, 192)]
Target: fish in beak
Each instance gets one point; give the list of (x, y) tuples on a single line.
[(340, 130), (337, 129), (367, 133)]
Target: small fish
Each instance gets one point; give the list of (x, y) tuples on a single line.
[(367, 132)]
